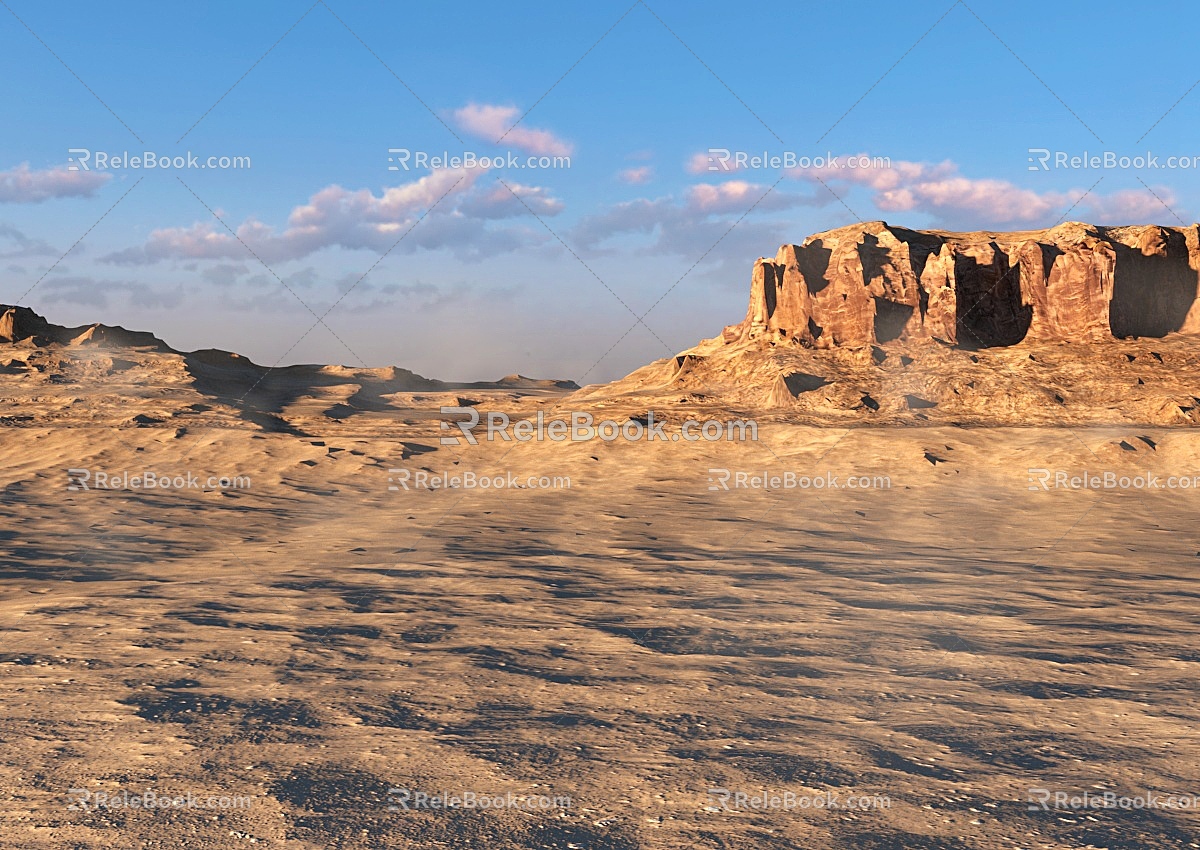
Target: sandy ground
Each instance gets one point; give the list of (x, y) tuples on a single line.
[(942, 644)]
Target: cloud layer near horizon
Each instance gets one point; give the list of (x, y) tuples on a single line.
[(21, 185), (474, 220), (958, 202)]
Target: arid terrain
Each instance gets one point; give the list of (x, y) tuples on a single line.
[(923, 639)]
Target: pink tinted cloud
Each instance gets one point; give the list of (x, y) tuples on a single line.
[(1137, 205), (335, 217), (636, 176), (730, 196), (21, 185), (959, 201), (490, 122)]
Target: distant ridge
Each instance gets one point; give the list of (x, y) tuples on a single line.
[(22, 326)]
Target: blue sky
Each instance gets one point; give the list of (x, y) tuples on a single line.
[(542, 271)]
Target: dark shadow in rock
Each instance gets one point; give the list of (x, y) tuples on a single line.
[(1152, 294), (988, 298), (890, 319), (813, 260), (802, 382)]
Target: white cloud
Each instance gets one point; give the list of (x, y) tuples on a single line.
[(21, 185), (738, 196), (702, 208), (498, 202), (958, 202), (490, 122), (1137, 206), (336, 217), (224, 274)]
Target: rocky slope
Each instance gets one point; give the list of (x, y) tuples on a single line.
[(22, 325), (109, 376), (880, 324)]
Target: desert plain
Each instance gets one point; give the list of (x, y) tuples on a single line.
[(663, 658)]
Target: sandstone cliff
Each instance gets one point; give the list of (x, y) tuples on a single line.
[(871, 323), (873, 283)]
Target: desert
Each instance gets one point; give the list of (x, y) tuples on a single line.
[(658, 650), (644, 426)]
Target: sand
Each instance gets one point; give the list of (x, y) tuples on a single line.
[(312, 639)]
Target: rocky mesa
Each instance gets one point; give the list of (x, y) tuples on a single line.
[(878, 324), (874, 283)]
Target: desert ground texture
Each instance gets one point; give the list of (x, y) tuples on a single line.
[(622, 651), (600, 426)]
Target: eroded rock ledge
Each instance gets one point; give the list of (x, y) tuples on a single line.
[(874, 283)]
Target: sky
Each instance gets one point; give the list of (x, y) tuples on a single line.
[(345, 241)]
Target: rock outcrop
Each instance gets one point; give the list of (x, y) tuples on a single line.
[(1073, 325), (873, 283), (20, 324), (103, 375)]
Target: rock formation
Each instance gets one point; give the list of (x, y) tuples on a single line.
[(20, 324), (103, 375), (873, 283), (1076, 324)]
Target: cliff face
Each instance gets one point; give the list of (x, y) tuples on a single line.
[(873, 283)]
